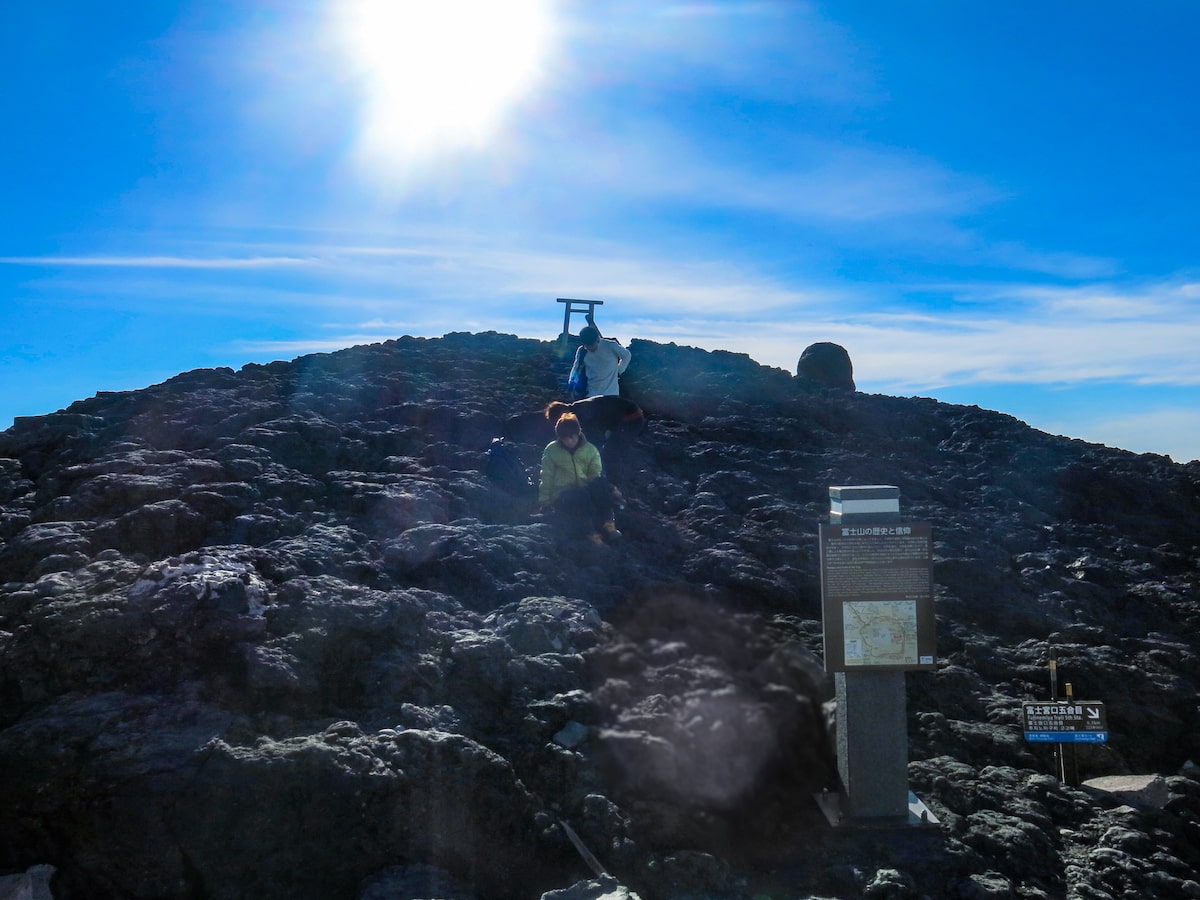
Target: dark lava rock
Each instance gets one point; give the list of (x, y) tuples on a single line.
[(826, 364), (275, 633)]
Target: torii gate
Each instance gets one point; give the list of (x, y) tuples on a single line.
[(571, 307)]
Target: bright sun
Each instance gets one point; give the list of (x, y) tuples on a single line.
[(440, 73)]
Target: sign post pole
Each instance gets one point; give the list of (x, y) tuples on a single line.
[(872, 743), (877, 606), (1070, 763)]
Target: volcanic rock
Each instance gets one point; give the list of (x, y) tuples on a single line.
[(1137, 790), (826, 364), (275, 633)]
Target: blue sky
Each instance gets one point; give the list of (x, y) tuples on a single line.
[(992, 204)]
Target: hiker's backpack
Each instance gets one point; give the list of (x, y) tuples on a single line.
[(505, 468)]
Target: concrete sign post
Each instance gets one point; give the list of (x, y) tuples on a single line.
[(878, 622)]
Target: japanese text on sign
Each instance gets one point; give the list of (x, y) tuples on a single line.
[(1081, 716), (877, 596)]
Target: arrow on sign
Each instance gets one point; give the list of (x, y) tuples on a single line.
[(1092, 712)]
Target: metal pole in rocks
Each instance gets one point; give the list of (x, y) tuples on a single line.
[(1053, 674), (1058, 748), (1070, 759)]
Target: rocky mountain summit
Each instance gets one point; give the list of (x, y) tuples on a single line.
[(274, 633)]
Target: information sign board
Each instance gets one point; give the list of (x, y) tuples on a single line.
[(877, 596), (1065, 721)]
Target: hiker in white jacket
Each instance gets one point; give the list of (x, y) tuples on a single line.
[(603, 360)]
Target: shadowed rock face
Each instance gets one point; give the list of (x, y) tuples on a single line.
[(273, 633)]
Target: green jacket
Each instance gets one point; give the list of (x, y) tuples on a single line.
[(562, 469)]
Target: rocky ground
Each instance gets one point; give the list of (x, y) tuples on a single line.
[(273, 633)]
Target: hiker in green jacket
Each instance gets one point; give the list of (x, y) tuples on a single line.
[(573, 485)]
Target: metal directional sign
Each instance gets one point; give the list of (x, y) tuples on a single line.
[(1065, 721)]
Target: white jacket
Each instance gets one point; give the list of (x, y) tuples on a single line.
[(602, 366)]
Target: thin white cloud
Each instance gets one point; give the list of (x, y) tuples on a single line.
[(1038, 344), (1172, 428), (818, 182), (782, 50), (838, 184), (155, 262), (953, 335), (1014, 255), (1040, 340), (646, 282), (719, 10), (282, 349), (1103, 302)]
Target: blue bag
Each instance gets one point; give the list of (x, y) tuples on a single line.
[(577, 381)]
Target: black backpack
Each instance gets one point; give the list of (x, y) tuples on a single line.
[(505, 468)]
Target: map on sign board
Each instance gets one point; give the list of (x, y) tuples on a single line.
[(877, 596), (880, 632)]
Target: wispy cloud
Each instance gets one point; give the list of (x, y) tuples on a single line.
[(302, 347), (764, 49), (155, 262), (719, 10), (902, 338), (1047, 336), (1168, 302), (822, 182), (1014, 255), (1149, 432)]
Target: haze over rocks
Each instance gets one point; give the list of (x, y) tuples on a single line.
[(273, 633)]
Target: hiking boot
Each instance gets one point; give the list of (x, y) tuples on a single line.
[(610, 531), (596, 538)]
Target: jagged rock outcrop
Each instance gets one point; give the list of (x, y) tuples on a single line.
[(274, 633)]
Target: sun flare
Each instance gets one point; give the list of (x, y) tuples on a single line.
[(435, 74)]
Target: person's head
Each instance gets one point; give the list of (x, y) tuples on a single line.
[(568, 431), (589, 336)]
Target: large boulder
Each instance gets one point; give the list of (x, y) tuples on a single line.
[(827, 364)]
